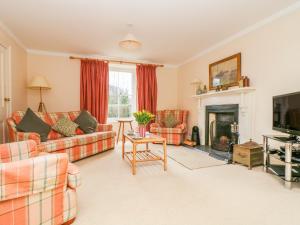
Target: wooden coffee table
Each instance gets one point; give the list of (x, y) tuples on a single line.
[(146, 155)]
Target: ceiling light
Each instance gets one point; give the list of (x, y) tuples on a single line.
[(130, 41)]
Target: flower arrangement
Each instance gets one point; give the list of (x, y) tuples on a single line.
[(143, 117)]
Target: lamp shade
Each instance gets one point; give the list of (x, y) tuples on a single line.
[(130, 42), (38, 82)]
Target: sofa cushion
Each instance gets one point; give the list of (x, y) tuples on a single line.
[(94, 137), (58, 144), (170, 121), (32, 123), (87, 123), (65, 127), (166, 130), (69, 142)]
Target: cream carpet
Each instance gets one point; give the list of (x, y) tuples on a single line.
[(220, 195), (190, 158)]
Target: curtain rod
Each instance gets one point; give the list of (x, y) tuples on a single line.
[(118, 61)]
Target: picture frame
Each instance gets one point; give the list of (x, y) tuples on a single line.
[(225, 72)]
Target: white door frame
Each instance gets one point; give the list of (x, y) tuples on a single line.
[(6, 91)]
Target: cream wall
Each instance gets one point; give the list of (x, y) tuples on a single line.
[(63, 75), (270, 57), (18, 71)]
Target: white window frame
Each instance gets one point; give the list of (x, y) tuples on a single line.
[(134, 101)]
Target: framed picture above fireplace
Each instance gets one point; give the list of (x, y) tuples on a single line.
[(226, 72)]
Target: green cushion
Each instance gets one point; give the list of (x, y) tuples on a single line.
[(170, 121), (32, 123), (65, 127), (87, 123)]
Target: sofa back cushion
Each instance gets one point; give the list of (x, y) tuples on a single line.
[(179, 115), (32, 123), (50, 119), (87, 123)]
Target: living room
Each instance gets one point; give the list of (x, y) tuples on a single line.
[(164, 93)]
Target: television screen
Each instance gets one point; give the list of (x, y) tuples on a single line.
[(286, 113)]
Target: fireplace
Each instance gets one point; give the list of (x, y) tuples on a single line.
[(218, 121)]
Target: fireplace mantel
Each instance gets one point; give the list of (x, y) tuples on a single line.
[(227, 92), (244, 97)]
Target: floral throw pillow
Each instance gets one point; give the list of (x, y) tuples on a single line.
[(170, 121), (65, 127)]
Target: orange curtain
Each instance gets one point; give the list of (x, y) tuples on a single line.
[(146, 88), (94, 86)]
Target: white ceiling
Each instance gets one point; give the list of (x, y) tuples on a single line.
[(171, 31)]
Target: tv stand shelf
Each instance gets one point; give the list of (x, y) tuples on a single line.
[(290, 170)]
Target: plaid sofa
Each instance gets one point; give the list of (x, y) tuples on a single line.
[(77, 147), (173, 135), (36, 188)]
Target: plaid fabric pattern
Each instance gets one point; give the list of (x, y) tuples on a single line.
[(70, 205), (180, 115), (32, 175), (83, 151), (166, 130), (173, 135), (74, 180), (33, 189), (11, 152), (172, 139), (58, 144), (45, 208), (78, 143), (104, 127), (74, 146), (94, 137)]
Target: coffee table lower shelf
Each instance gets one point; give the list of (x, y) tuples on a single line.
[(143, 156)]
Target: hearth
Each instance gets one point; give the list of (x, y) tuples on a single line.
[(218, 129)]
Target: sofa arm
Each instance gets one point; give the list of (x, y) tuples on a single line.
[(16, 151), (104, 127), (24, 136), (74, 179), (33, 175)]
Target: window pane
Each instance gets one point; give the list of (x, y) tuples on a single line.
[(113, 83), (113, 99), (113, 111), (125, 83), (125, 111), (124, 100)]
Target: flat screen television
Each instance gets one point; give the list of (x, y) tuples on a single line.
[(286, 113)]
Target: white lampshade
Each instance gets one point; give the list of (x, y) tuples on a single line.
[(38, 82), (130, 42)]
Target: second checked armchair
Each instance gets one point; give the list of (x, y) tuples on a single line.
[(174, 135), (36, 188)]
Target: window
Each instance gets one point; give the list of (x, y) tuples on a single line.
[(122, 100)]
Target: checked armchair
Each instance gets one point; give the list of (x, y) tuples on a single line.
[(173, 135), (36, 188)]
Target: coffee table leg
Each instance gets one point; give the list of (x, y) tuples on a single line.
[(123, 146), (133, 159), (165, 155)]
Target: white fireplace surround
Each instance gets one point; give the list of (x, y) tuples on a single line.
[(244, 97)]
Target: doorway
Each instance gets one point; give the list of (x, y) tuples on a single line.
[(5, 91)]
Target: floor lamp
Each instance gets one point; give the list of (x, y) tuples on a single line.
[(40, 83)]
